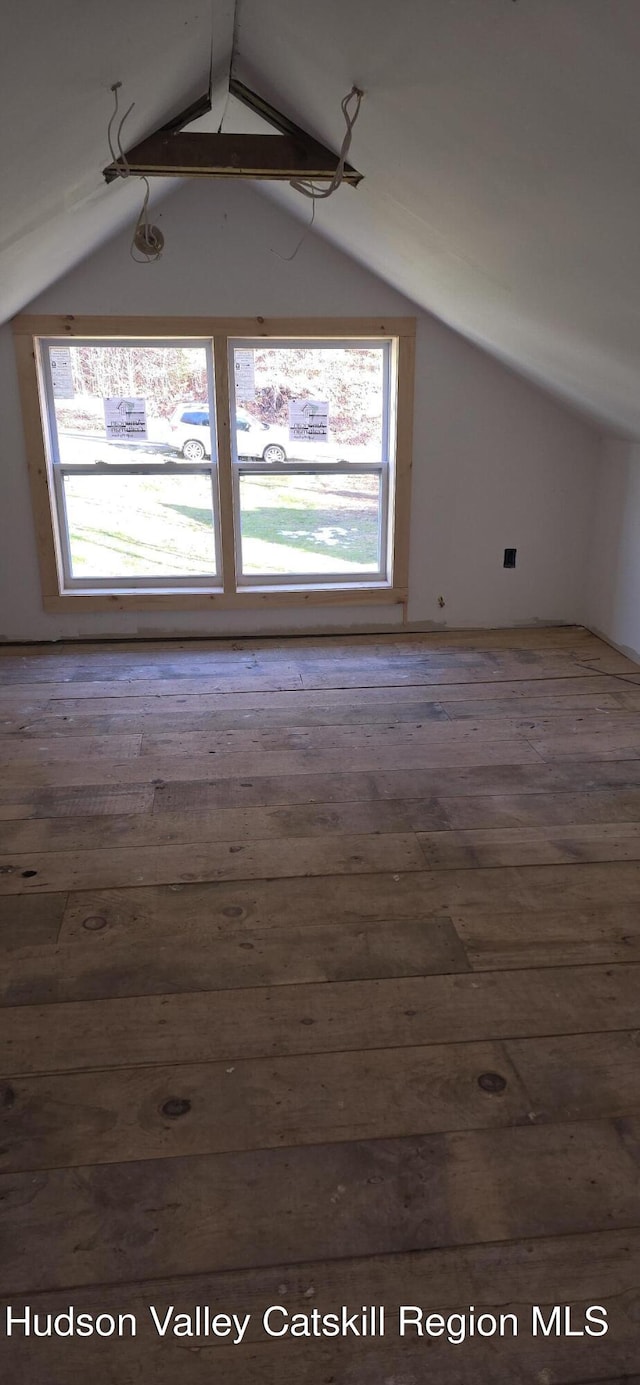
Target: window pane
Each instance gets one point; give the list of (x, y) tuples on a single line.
[(130, 403), (320, 524), (140, 526), (310, 403)]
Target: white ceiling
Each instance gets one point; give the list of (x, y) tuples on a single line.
[(57, 64), (500, 142)]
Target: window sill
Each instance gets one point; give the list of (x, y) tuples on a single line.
[(202, 599)]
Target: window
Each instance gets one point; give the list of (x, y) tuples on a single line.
[(132, 470), (311, 461), (234, 466)]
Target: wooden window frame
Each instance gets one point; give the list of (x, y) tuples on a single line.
[(28, 330)]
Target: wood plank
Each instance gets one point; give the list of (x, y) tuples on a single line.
[(226, 519), (540, 1271), (619, 723), (539, 637), (580, 1077), (630, 698), (609, 660), (119, 668), (543, 1270), (119, 1116), (557, 937), (247, 599), (205, 1213), (382, 898), (423, 656), (89, 839), (409, 1012), (198, 153), (606, 743), (493, 811), (28, 922), (16, 750), (296, 1362), (403, 370), (17, 713), (121, 866), (226, 682), (430, 786), (541, 703), (167, 660), (493, 670), (260, 762), (93, 325), (90, 800), (27, 353), (273, 1363), (415, 737), (231, 824), (177, 733), (232, 717), (193, 659), (125, 698), (560, 635), (210, 956), (531, 846), (437, 810)]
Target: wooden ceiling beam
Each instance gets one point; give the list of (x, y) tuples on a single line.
[(173, 152), (197, 155)]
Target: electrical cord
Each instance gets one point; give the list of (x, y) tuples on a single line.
[(306, 185), (289, 258), (309, 188), (148, 240)]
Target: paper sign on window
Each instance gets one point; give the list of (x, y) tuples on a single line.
[(245, 372), (125, 418), (61, 372), (308, 420)]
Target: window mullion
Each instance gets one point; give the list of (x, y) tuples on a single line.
[(399, 504), (225, 476)]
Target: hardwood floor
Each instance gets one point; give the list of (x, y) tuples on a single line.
[(320, 986)]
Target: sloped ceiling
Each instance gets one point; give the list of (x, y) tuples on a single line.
[(57, 64), (500, 142)]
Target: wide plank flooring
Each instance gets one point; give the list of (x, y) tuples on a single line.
[(320, 985)]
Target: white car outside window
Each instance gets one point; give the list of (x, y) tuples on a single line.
[(189, 432)]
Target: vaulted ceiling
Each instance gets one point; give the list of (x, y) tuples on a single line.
[(500, 142)]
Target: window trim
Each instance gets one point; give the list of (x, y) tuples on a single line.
[(184, 595)]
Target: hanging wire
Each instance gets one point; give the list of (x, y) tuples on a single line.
[(306, 185), (148, 240), (305, 233), (309, 188)]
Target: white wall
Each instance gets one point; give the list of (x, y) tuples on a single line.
[(614, 587), (497, 463)]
